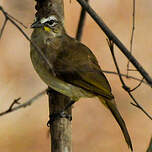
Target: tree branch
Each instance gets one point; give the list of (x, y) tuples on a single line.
[(125, 75), (3, 27), (81, 23), (60, 129), (23, 105), (118, 43), (132, 34), (124, 86)]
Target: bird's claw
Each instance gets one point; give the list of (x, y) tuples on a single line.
[(55, 116)]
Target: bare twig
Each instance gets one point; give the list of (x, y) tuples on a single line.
[(132, 35), (137, 85), (81, 23), (132, 70), (16, 101), (11, 19), (119, 44), (124, 86), (139, 106), (23, 105), (125, 75), (16, 20), (3, 27)]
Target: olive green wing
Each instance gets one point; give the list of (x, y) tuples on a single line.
[(79, 66)]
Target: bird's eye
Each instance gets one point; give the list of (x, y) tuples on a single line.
[(51, 23)]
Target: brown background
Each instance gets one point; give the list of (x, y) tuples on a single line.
[(94, 129)]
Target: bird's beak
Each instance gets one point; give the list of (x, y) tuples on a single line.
[(37, 24)]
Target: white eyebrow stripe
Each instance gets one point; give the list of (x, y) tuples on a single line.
[(43, 20), (52, 18)]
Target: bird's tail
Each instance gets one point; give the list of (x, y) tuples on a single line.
[(110, 104)]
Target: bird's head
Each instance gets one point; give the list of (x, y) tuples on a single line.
[(50, 24)]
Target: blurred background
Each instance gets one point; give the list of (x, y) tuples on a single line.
[(94, 128)]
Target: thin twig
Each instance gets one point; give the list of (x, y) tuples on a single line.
[(132, 35), (3, 27), (132, 70), (137, 85), (124, 75), (37, 48), (23, 105), (16, 101), (119, 44), (16, 20), (139, 106), (81, 23), (124, 86)]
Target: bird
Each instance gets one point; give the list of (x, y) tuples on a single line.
[(72, 62)]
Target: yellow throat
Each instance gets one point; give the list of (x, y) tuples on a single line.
[(47, 29)]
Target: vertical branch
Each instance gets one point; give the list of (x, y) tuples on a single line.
[(132, 34), (3, 27), (60, 129), (81, 23)]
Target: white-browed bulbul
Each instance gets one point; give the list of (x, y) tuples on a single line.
[(73, 63)]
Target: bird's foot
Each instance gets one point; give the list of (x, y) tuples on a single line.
[(55, 116)]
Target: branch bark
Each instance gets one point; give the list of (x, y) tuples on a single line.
[(60, 129)]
